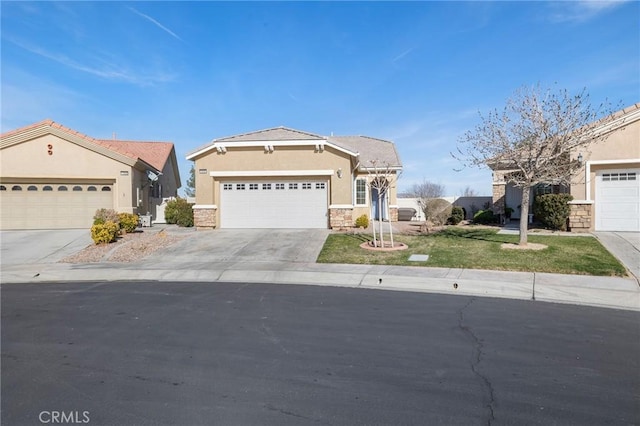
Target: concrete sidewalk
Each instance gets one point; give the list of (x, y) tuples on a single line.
[(609, 292)]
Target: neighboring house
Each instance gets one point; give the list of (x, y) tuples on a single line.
[(55, 177), (606, 190), (285, 178)]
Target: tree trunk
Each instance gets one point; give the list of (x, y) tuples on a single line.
[(380, 219), (524, 215), (389, 219)]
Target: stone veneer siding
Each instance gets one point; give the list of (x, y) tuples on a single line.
[(204, 217), (393, 213), (499, 192), (341, 218), (580, 217)]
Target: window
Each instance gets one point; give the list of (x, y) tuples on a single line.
[(306, 185), (320, 185), (607, 177), (293, 186), (240, 186), (32, 188), (16, 188), (77, 188), (227, 187), (106, 189), (91, 188), (47, 188), (361, 192), (63, 188), (266, 186), (253, 187), (279, 185)]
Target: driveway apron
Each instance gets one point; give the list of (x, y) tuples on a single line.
[(625, 246)]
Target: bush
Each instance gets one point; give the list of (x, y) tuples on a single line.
[(105, 215), (362, 221), (484, 216), (128, 221), (457, 215), (437, 211), (553, 210), (180, 212), (104, 233)]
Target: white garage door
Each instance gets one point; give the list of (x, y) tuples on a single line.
[(618, 200), (52, 206), (271, 204)]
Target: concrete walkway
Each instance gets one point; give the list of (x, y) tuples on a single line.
[(201, 258), (625, 246)]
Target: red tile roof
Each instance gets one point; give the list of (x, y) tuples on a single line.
[(153, 153)]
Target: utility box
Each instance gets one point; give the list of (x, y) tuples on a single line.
[(145, 220)]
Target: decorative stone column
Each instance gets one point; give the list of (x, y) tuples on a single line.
[(393, 213), (499, 193), (340, 217), (580, 217), (204, 216)]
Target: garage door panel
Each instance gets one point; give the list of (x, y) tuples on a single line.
[(617, 205), (44, 209), (268, 204)]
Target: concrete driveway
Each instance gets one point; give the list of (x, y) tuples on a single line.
[(41, 246), (244, 245), (625, 246)]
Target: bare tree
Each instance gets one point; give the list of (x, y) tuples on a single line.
[(429, 196), (381, 178), (469, 192), (534, 139)]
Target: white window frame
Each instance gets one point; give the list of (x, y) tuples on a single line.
[(355, 192)]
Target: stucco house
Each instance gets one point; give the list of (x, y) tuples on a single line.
[(54, 177), (286, 178), (605, 190)]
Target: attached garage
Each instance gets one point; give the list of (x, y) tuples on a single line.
[(617, 200), (274, 204), (52, 205)]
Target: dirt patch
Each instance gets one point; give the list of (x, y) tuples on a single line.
[(387, 246), (128, 248), (528, 246)]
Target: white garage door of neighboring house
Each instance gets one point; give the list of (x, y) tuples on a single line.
[(268, 204), (52, 206), (618, 200)]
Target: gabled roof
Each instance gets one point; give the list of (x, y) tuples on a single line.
[(153, 154), (274, 134), (372, 151), (367, 149)]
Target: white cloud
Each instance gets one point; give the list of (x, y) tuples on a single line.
[(110, 70)]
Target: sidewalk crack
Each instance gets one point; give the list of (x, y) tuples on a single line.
[(476, 360)]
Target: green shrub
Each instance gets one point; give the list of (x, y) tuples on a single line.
[(457, 215), (105, 215), (484, 216), (362, 221), (104, 233), (180, 212), (552, 210), (128, 221)]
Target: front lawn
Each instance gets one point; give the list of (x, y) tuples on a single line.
[(479, 248)]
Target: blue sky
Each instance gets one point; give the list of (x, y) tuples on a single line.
[(416, 73)]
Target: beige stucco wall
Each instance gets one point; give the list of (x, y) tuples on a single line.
[(621, 145), (68, 162), (282, 158)]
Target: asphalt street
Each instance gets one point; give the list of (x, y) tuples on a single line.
[(148, 353)]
